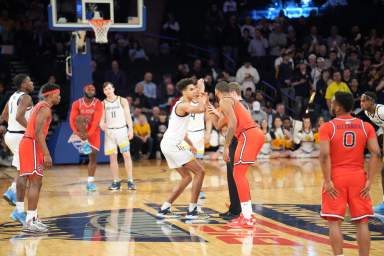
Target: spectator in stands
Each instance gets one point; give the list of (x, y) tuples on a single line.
[(277, 40), (258, 47), (168, 97), (117, 78), (347, 76), (142, 132), (356, 92), (150, 88), (334, 40), (280, 111), (154, 122), (257, 114), (313, 38), (284, 77), (320, 104), (336, 86), (248, 26), (302, 83), (137, 53), (231, 43), (247, 76), (197, 68), (314, 70), (171, 27), (139, 98), (353, 62)]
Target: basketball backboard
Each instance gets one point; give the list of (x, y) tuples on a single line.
[(73, 15)]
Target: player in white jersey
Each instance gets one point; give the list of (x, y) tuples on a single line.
[(196, 125), (16, 113), (116, 122), (179, 157), (375, 112)]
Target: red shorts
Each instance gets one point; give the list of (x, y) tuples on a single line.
[(31, 157), (249, 145), (348, 188), (94, 140)]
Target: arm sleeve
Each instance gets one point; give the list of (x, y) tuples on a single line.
[(325, 132), (73, 116), (370, 130), (96, 119)]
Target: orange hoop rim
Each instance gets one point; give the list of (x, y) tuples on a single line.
[(99, 22)]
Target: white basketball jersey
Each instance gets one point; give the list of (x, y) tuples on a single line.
[(197, 121), (377, 117), (13, 105), (114, 114), (177, 126)]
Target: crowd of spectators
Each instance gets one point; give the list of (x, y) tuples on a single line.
[(279, 64)]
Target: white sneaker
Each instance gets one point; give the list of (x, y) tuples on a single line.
[(41, 224), (35, 226)]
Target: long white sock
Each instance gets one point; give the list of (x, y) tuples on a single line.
[(192, 206), (20, 206), (13, 187), (165, 205), (246, 209), (90, 179), (31, 215)]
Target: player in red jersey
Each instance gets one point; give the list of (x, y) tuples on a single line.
[(90, 109), (250, 140), (342, 144), (34, 154)]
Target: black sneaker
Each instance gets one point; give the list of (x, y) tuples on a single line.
[(115, 186), (131, 185), (230, 216), (166, 213), (193, 215)]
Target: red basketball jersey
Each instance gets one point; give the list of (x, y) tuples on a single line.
[(348, 137), (244, 119), (31, 126), (91, 112)]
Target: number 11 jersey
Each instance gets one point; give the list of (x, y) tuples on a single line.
[(114, 114)]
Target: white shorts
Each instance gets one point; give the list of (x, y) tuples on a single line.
[(197, 139), (176, 154), (13, 141), (116, 138)]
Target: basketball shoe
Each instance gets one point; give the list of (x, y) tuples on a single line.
[(242, 222), (166, 213), (379, 209), (19, 216), (10, 196)]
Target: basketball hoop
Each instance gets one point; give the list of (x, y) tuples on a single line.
[(101, 28)]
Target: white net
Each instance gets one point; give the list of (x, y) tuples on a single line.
[(101, 28)]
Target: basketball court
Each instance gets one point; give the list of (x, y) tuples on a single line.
[(286, 201)]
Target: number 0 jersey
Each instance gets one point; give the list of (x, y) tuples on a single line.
[(114, 114), (348, 137)]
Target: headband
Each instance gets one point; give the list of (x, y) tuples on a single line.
[(55, 91), (369, 97)]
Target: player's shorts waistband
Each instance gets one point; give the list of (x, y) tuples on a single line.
[(18, 132), (116, 128), (246, 129)]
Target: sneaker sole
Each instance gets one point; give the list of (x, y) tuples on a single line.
[(10, 202)]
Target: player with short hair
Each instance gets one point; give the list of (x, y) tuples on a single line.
[(88, 110), (179, 157), (375, 112), (116, 122), (342, 144), (16, 112), (250, 140), (34, 154)]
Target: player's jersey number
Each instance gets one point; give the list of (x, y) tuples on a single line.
[(349, 139)]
